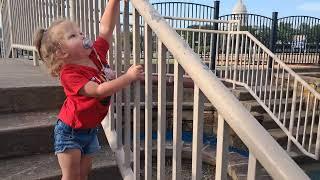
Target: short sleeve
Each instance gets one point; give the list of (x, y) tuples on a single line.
[(102, 47), (73, 81)]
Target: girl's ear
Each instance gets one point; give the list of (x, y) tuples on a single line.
[(61, 54)]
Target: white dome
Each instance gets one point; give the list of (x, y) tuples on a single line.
[(240, 8)]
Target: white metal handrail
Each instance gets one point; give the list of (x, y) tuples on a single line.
[(243, 60), (274, 159)]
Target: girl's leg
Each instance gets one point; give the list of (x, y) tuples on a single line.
[(85, 166), (69, 162)]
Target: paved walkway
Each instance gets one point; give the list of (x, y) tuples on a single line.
[(22, 73)]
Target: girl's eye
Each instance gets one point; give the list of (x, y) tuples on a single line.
[(72, 36)]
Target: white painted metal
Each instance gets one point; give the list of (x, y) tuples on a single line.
[(222, 154), (177, 121), (136, 108), (161, 146), (127, 114), (148, 102), (221, 98), (118, 68), (197, 134), (252, 166)]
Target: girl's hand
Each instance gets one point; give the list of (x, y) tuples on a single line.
[(135, 72)]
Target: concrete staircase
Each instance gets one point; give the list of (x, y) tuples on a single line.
[(29, 105), (240, 170)]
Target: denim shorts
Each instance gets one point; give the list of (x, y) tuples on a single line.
[(85, 140)]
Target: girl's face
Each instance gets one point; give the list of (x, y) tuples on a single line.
[(72, 42)]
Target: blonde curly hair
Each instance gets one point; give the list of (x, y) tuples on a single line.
[(47, 42)]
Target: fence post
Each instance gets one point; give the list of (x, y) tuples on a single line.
[(214, 38), (273, 36), (72, 10)]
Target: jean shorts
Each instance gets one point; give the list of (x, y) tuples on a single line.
[(85, 140)]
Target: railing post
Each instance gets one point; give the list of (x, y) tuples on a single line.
[(293, 111), (222, 156), (273, 35), (136, 109), (252, 165), (237, 57), (214, 38), (72, 10), (35, 58)]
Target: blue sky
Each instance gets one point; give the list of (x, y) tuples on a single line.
[(266, 7)]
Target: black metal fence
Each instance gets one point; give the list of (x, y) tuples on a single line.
[(295, 39), (298, 39), (191, 10)]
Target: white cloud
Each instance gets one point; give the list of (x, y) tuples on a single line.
[(310, 7)]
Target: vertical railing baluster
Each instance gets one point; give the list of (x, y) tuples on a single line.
[(72, 10), (245, 60), (306, 120), (91, 20), (136, 108), (197, 134), (293, 109), (126, 44), (96, 20), (253, 57), (148, 101), (82, 17), (276, 90), (118, 67), (222, 154), (257, 55), (271, 82), (227, 53), (317, 153), (86, 19), (177, 121), (161, 111), (236, 56), (252, 166), (299, 113), (286, 104), (281, 94), (312, 123), (249, 61)]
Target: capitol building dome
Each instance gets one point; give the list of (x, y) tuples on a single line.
[(240, 8)]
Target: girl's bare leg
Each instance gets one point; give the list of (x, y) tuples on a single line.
[(70, 162), (85, 166)]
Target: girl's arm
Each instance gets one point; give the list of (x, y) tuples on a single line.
[(108, 19), (92, 89)]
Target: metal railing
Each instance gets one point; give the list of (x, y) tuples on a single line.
[(243, 60), (274, 159)]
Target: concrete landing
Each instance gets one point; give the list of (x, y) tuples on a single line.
[(22, 73)]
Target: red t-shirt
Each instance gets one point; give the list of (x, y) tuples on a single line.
[(81, 111)]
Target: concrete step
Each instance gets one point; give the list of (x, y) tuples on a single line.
[(23, 99), (29, 133), (26, 133), (253, 105), (20, 130), (282, 138), (243, 94), (301, 158), (269, 123), (45, 167)]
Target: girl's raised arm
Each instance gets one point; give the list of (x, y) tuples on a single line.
[(109, 19)]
